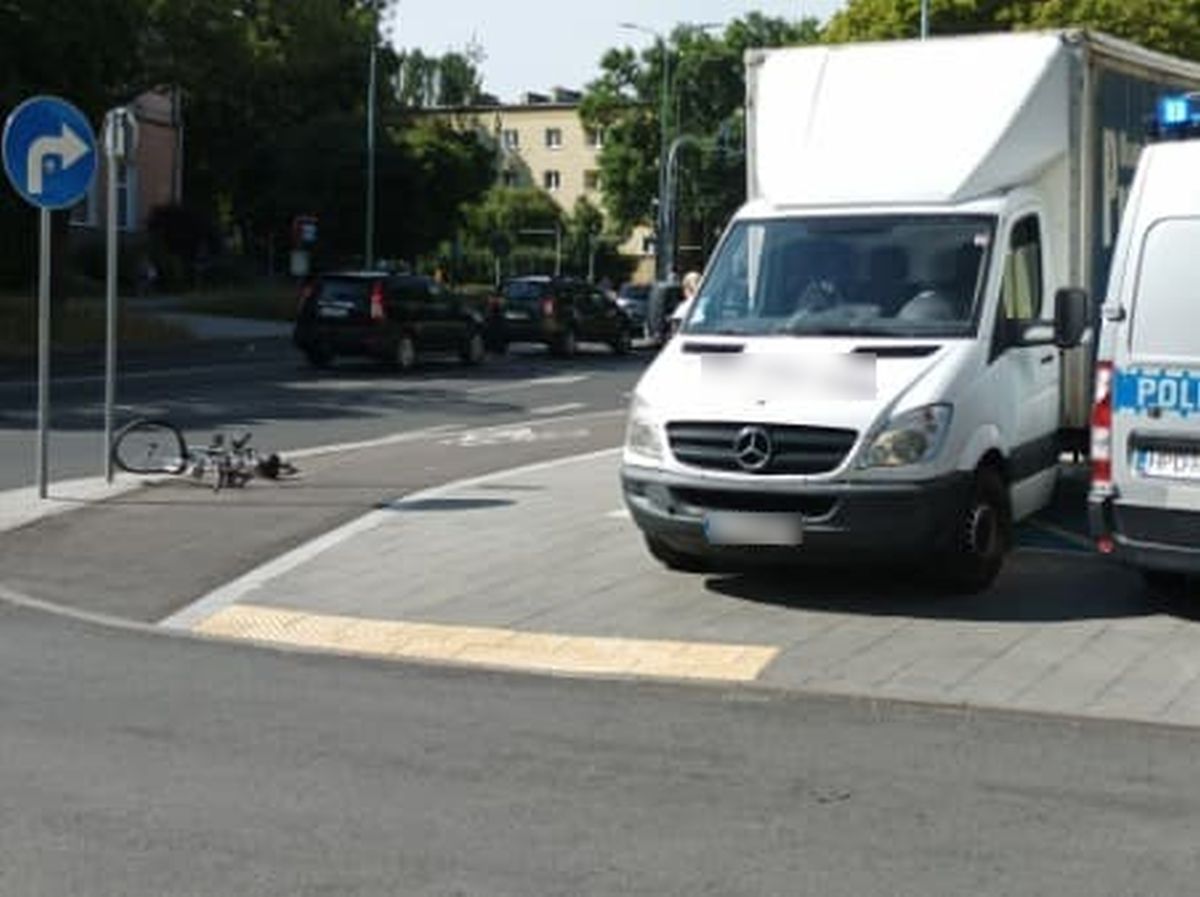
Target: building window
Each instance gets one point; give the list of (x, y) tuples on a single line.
[(595, 138), (508, 178), (552, 180), (510, 138), (554, 138), (591, 179)]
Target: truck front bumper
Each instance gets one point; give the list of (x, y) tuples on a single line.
[(841, 521), (1147, 538)]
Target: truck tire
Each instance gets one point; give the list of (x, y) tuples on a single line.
[(676, 560), (983, 537)]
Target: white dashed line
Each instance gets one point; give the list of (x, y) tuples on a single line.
[(557, 409)]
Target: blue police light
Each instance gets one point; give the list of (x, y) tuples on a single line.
[(1177, 116)]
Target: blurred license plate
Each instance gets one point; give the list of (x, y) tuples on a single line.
[(1174, 465), (517, 315), (733, 528), (333, 311)]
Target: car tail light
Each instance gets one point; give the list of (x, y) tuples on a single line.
[(1101, 453), (548, 307), (378, 309)]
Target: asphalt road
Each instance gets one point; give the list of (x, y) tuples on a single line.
[(134, 764), (289, 406)]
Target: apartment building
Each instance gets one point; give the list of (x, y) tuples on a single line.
[(152, 178), (542, 142)]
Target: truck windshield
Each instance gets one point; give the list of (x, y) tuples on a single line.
[(887, 275)]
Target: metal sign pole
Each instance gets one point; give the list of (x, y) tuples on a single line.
[(110, 295), (43, 399), (49, 154)]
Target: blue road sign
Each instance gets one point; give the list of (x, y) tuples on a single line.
[(49, 152)]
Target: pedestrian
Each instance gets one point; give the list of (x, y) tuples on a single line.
[(690, 287)]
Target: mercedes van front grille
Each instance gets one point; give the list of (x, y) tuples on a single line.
[(760, 448)]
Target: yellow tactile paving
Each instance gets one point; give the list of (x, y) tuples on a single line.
[(491, 646)]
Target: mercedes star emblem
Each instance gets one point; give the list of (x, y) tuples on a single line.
[(752, 446)]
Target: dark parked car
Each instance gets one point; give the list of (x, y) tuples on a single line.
[(386, 316), (560, 312), (665, 296), (634, 299)]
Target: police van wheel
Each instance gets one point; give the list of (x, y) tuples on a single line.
[(675, 560), (983, 538)]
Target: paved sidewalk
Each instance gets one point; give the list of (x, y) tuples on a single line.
[(542, 570)]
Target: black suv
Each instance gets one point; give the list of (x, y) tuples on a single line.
[(386, 316), (558, 311)]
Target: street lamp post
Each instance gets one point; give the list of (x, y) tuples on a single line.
[(924, 19), (671, 218), (662, 259), (663, 109), (369, 252)]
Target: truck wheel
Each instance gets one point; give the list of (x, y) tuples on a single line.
[(676, 560), (983, 538)]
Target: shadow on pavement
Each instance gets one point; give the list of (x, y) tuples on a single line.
[(1033, 588), (449, 504)]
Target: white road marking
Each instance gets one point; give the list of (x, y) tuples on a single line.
[(232, 592), (558, 409), (511, 435), (619, 514), (563, 380)]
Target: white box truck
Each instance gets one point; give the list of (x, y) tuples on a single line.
[(1144, 503), (884, 357)]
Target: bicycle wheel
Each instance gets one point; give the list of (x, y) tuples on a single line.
[(149, 446)]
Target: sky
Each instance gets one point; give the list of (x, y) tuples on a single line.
[(540, 44)]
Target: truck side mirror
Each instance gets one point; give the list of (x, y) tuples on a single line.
[(1070, 316)]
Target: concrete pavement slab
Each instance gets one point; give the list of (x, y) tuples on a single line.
[(546, 554)]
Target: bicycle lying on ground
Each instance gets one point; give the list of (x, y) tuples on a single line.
[(155, 446)]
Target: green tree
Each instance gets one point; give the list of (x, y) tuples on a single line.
[(707, 91), (1171, 26), (583, 231), (504, 212), (452, 79)]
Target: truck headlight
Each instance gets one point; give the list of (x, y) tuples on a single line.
[(643, 435), (913, 437)]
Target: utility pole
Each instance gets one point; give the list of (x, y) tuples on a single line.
[(924, 19), (369, 253), (662, 258), (660, 272)]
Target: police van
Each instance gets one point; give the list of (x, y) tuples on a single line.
[(1144, 504)]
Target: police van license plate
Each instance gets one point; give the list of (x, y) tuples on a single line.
[(1174, 465), (734, 528)]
